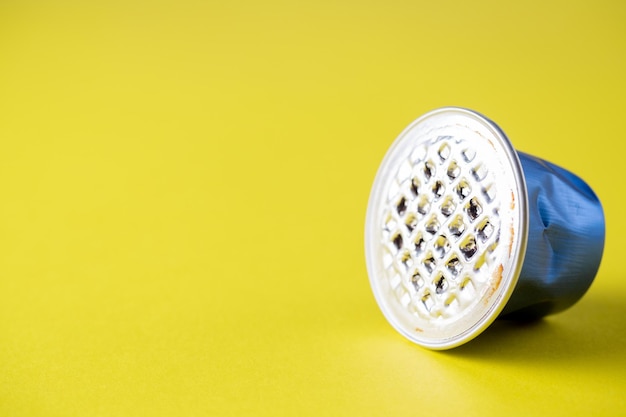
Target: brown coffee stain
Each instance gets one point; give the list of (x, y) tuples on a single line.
[(496, 279)]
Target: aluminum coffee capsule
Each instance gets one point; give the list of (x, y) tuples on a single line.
[(462, 229)]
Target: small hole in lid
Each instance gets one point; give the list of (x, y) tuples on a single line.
[(441, 284), (397, 241)]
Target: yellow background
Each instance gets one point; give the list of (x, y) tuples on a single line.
[(183, 187)]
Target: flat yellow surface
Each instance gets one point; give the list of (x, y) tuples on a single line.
[(183, 187)]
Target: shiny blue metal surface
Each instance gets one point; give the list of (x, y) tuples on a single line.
[(565, 241)]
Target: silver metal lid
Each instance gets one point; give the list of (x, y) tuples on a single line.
[(446, 227)]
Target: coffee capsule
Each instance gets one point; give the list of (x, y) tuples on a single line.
[(461, 229)]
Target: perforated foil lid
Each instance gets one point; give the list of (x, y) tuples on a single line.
[(446, 227)]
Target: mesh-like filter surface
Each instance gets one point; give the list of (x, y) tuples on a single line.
[(446, 219), (441, 228)]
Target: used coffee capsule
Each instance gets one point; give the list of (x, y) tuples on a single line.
[(462, 229)]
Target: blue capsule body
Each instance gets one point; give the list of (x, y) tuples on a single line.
[(566, 234)]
